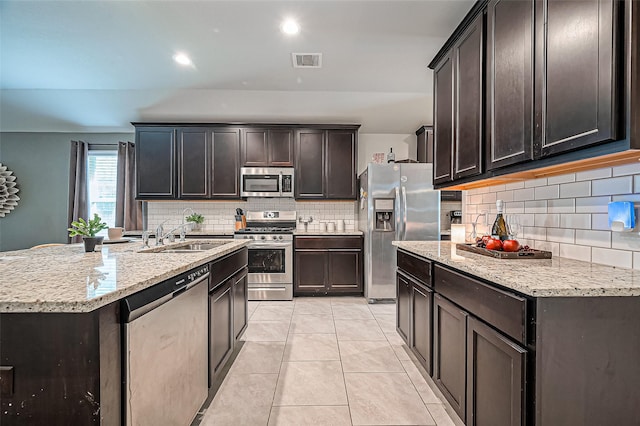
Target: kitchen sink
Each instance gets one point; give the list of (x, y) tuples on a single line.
[(186, 248)]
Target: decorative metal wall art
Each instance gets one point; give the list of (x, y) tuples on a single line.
[(8, 191)]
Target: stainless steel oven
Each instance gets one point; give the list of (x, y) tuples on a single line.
[(270, 263), (266, 182)]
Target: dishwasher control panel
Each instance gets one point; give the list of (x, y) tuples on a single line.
[(197, 273)]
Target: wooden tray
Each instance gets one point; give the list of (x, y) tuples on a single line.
[(530, 254)]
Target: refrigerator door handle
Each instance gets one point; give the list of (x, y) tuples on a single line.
[(398, 215), (404, 213)]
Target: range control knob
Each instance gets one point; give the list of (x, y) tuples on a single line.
[(263, 237), (280, 237)]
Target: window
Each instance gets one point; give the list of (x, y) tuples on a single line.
[(101, 177)]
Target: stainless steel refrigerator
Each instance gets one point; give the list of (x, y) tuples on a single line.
[(397, 202)]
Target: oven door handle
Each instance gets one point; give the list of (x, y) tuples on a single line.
[(270, 245)]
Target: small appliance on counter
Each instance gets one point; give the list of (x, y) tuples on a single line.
[(455, 216)]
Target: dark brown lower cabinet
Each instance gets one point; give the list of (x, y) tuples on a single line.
[(403, 307), (328, 265), (496, 377), (422, 299), (240, 311), (221, 336), (449, 352)]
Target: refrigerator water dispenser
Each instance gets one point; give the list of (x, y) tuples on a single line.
[(384, 214)]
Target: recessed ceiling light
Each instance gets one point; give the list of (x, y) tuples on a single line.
[(182, 59), (290, 27)]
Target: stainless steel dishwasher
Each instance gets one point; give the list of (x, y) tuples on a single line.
[(165, 344)]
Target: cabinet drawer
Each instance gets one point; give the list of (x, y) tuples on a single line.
[(221, 269), (419, 268), (505, 311), (328, 243)]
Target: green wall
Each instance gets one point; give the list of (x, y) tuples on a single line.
[(40, 162)]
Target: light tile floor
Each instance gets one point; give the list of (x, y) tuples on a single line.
[(324, 361)]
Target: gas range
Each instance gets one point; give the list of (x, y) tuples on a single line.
[(270, 257)]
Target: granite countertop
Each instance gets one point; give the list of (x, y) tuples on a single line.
[(325, 233), (557, 277), (66, 279)]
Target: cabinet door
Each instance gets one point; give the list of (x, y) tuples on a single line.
[(421, 322), (576, 52), (449, 352), (345, 272), (240, 304), (310, 162), (341, 164), (193, 163), (443, 122), (496, 380), (403, 310), (280, 144), (468, 65), (509, 82), (310, 271), (425, 145), (225, 171), (255, 152), (220, 328), (155, 163)]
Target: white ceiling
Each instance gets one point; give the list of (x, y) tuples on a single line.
[(95, 66)]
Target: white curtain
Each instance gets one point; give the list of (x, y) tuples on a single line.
[(78, 191), (128, 210)]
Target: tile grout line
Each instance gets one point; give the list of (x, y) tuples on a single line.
[(344, 380)]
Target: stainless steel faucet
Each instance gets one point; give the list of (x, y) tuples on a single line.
[(160, 233)]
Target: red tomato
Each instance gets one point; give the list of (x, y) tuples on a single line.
[(486, 238), (494, 244), (510, 245)]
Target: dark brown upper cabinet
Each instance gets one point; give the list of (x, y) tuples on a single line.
[(341, 164), (576, 75), (326, 164), (267, 147), (225, 163), (509, 98), (458, 110), (443, 122), (468, 60), (156, 163), (193, 162)]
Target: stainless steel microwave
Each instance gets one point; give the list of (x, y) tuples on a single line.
[(266, 182)]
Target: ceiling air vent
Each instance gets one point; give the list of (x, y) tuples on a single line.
[(307, 60)]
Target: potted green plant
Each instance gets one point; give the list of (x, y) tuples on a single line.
[(196, 220), (88, 230)]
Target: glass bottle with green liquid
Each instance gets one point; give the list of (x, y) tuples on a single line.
[(499, 229)]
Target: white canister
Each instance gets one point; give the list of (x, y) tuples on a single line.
[(331, 227), (340, 225)]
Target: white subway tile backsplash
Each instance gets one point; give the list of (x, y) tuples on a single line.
[(612, 186), (600, 222), (535, 182), (576, 221), (625, 240), (594, 174), (593, 238), (626, 197), (627, 169), (489, 197), (561, 206), (561, 235), (576, 189), (547, 192), (535, 233), (592, 204), (619, 258), (506, 196), (636, 184), (535, 206), (514, 207), (554, 180), (547, 220), (572, 251), (514, 185), (527, 219), (554, 248), (523, 194)]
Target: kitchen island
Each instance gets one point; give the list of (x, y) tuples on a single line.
[(523, 342), (61, 324)]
